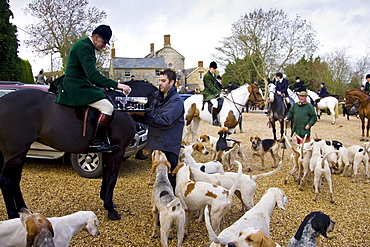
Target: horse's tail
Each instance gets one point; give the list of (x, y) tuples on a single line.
[(336, 111)]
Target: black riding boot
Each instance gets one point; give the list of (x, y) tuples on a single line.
[(101, 143), (214, 117)]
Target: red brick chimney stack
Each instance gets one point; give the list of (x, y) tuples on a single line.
[(152, 48), (200, 64), (167, 40)]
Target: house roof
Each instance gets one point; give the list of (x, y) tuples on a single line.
[(138, 63), (164, 48)]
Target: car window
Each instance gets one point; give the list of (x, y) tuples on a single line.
[(5, 91)]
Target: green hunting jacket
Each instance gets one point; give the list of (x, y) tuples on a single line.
[(81, 84), (302, 114), (210, 89)]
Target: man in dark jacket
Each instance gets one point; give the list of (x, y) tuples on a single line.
[(211, 90), (299, 85), (166, 120), (79, 86), (322, 93)]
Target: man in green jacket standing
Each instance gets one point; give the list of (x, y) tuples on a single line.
[(212, 89), (80, 85), (303, 115)]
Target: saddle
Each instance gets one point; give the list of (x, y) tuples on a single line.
[(210, 105)]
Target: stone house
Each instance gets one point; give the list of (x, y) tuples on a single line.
[(194, 77), (148, 68)]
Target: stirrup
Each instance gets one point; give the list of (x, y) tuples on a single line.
[(215, 122), (100, 146)]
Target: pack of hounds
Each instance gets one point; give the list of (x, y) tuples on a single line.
[(207, 189)]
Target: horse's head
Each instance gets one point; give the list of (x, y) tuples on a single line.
[(271, 90), (255, 96), (349, 99)]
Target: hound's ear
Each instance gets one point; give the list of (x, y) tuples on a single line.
[(177, 169), (250, 139), (320, 223)]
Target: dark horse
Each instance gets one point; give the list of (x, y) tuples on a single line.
[(277, 110), (363, 109), (32, 115)]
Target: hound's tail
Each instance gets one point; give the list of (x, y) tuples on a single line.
[(325, 156), (236, 182), (211, 234)]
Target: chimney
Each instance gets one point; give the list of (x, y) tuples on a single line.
[(152, 48), (113, 51), (200, 64), (167, 42)]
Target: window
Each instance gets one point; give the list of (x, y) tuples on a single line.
[(201, 74), (127, 73), (157, 72)]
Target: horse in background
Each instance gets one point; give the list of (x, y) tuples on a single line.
[(364, 107), (330, 103), (277, 110), (230, 113)]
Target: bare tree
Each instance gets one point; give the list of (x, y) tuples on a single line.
[(62, 23), (340, 69), (271, 36)]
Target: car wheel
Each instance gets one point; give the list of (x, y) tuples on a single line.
[(88, 165)]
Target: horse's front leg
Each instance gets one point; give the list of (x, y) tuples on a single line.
[(110, 174), (10, 185)]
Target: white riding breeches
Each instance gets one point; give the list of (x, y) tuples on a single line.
[(214, 103), (104, 106)]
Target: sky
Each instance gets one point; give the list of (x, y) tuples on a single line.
[(197, 26)]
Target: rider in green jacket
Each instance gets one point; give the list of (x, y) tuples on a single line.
[(212, 89), (80, 85)]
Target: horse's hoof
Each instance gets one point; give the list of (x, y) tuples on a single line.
[(114, 215), (362, 140)]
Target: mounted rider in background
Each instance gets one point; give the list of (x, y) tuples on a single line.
[(322, 93), (282, 89), (212, 90)]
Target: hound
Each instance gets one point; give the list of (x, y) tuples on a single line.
[(196, 195), (261, 147), (31, 229), (64, 228), (209, 167), (252, 237), (352, 157), (165, 205), (246, 187), (301, 161), (197, 147), (258, 216), (39, 230), (320, 167), (313, 225), (227, 156)]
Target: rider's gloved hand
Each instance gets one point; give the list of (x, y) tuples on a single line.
[(126, 89), (222, 95)]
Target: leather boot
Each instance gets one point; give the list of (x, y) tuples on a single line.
[(214, 117), (100, 142)]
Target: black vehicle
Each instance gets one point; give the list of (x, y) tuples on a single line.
[(87, 165)]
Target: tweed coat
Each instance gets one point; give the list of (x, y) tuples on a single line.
[(80, 85)]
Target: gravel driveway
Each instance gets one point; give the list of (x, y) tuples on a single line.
[(54, 189)]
